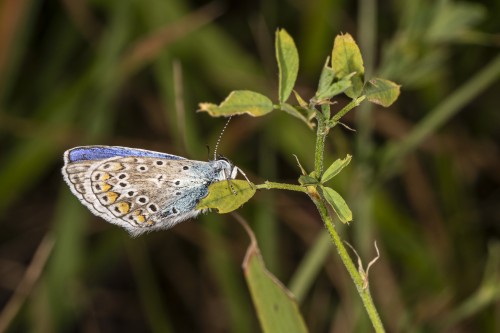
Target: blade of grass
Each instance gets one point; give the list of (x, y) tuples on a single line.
[(310, 266), (27, 283)]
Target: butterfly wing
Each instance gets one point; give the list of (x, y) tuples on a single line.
[(137, 189)]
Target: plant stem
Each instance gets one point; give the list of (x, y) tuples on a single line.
[(347, 108), (320, 147), (351, 268), (364, 293), (280, 186)]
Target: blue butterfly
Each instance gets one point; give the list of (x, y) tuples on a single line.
[(141, 190)]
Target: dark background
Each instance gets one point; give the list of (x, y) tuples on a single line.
[(131, 73)]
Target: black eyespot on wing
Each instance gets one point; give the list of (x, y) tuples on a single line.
[(123, 184), (177, 193), (130, 193), (174, 211), (98, 187), (142, 200), (153, 208), (177, 182), (97, 176), (185, 168), (122, 176), (159, 162)]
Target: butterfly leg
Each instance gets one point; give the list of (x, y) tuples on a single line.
[(228, 178), (235, 172)]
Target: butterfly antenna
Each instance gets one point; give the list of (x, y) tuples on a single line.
[(220, 137)]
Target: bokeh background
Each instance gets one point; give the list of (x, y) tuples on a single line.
[(423, 183)]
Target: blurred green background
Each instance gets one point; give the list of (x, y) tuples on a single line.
[(423, 183)]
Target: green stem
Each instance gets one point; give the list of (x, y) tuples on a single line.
[(364, 293), (280, 186), (351, 268), (347, 108), (320, 147)]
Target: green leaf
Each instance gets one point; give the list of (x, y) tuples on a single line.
[(296, 113), (307, 180), (334, 89), (326, 78), (221, 196), (382, 92), (276, 307), (288, 63), (335, 168), (338, 204), (346, 59), (239, 102)]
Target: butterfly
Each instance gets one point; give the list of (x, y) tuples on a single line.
[(141, 190)]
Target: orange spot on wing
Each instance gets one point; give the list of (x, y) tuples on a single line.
[(112, 196), (122, 207)]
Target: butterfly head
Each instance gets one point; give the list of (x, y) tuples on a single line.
[(227, 169)]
